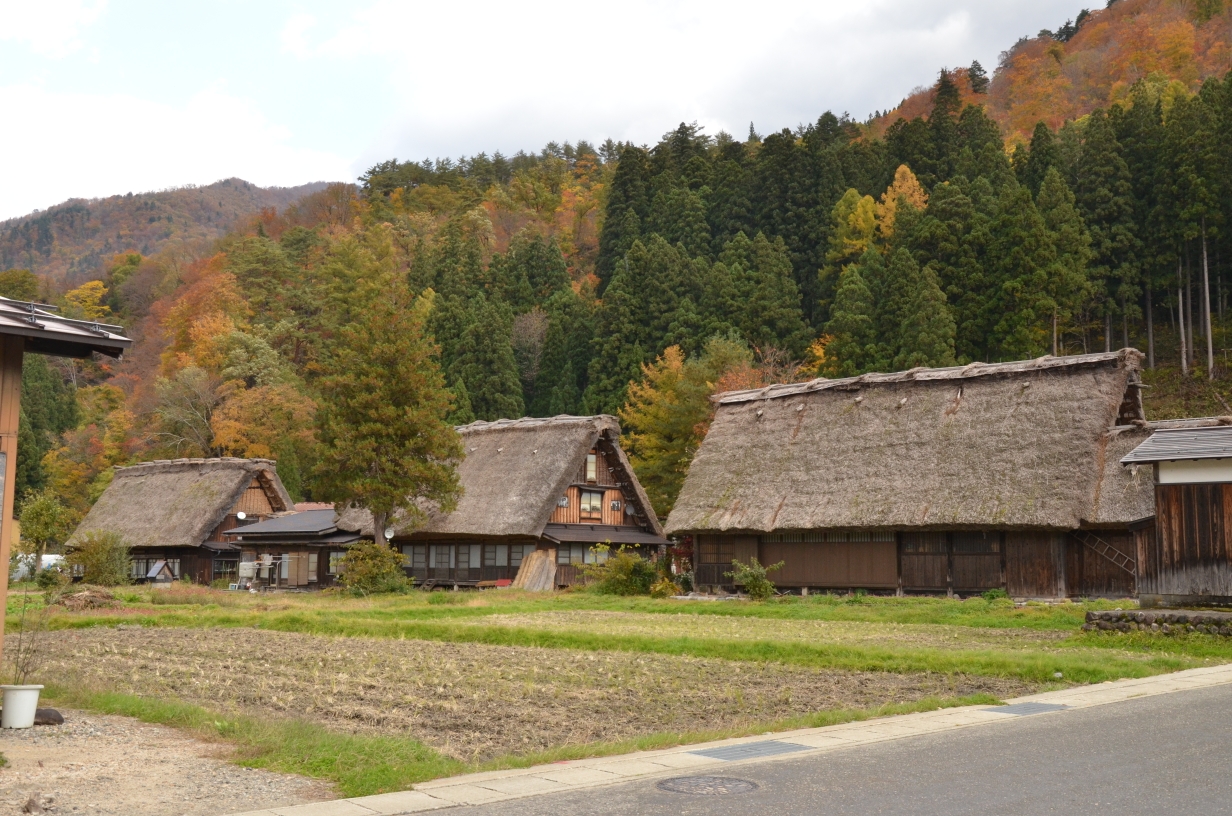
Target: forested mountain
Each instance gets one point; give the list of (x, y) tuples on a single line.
[(641, 279), (70, 242), (1093, 62)]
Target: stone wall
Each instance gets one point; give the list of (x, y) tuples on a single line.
[(1165, 623)]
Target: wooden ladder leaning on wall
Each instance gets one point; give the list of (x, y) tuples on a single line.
[(1107, 551)]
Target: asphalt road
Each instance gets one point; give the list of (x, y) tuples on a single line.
[(1162, 755)]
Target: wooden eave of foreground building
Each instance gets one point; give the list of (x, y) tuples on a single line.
[(953, 480)]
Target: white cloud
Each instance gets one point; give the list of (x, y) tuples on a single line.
[(514, 75), (51, 28), (95, 145)]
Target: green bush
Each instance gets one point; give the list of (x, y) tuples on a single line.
[(50, 578), (623, 572), (100, 558), (995, 594), (369, 568), (752, 576)]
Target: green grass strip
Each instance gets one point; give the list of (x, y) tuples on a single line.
[(1034, 666), (361, 764)]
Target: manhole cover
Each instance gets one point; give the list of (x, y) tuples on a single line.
[(707, 785)]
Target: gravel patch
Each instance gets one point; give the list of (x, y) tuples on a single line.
[(97, 764)]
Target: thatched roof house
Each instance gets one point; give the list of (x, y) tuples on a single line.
[(178, 510), (989, 460), (558, 484)]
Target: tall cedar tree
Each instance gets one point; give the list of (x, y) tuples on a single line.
[(627, 207), (484, 362), (385, 444), (1104, 194), (852, 348), (1066, 287)]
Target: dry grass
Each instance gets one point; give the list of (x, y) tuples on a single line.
[(472, 702), (849, 633)]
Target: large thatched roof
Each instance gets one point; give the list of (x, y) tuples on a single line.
[(513, 474), (1032, 444), (178, 503)]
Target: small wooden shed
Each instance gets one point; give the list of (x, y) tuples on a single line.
[(1185, 550), (949, 480), (537, 491), (177, 511)]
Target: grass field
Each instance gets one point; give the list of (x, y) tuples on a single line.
[(375, 694)]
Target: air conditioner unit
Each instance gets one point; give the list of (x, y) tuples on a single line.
[(564, 502), (615, 505)]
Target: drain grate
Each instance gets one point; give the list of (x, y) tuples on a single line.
[(751, 750), (706, 785), (1025, 709)]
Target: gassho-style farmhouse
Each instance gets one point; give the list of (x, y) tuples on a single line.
[(1032, 477), (951, 480)]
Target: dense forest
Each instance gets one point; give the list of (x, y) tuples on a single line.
[(638, 280)]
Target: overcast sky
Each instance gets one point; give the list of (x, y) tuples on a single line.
[(110, 96)]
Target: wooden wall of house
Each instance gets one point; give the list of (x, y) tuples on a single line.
[(1088, 573), (1034, 564), (254, 502), (1190, 555), (573, 513), (833, 564)]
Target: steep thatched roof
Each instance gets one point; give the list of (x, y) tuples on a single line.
[(1032, 444), (178, 503), (513, 474)]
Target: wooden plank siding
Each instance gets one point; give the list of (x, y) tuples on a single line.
[(1190, 554), (572, 514), (1034, 564)]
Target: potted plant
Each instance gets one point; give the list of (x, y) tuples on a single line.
[(21, 697)]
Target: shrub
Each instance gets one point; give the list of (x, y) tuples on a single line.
[(369, 568), (50, 579), (752, 576), (995, 594), (623, 572), (100, 558), (665, 588)]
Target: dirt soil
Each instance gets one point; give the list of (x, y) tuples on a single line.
[(472, 701), (94, 764)]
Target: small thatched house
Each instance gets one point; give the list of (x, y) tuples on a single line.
[(177, 512), (536, 492), (957, 479), (1185, 553)]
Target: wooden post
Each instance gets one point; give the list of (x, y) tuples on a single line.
[(11, 350)]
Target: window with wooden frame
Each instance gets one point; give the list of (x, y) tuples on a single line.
[(335, 561), (592, 504), (716, 552), (312, 566), (592, 467)]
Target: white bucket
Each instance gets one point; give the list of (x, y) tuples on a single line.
[(20, 703)]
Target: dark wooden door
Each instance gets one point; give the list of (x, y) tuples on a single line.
[(925, 562)]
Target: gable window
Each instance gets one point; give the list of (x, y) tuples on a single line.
[(592, 467), (592, 504)]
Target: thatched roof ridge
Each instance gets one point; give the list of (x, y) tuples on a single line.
[(513, 473), (1129, 357), (178, 503), (1032, 445)]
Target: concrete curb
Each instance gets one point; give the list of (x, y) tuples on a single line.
[(498, 786)]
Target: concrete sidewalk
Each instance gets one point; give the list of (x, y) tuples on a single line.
[(496, 786)]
